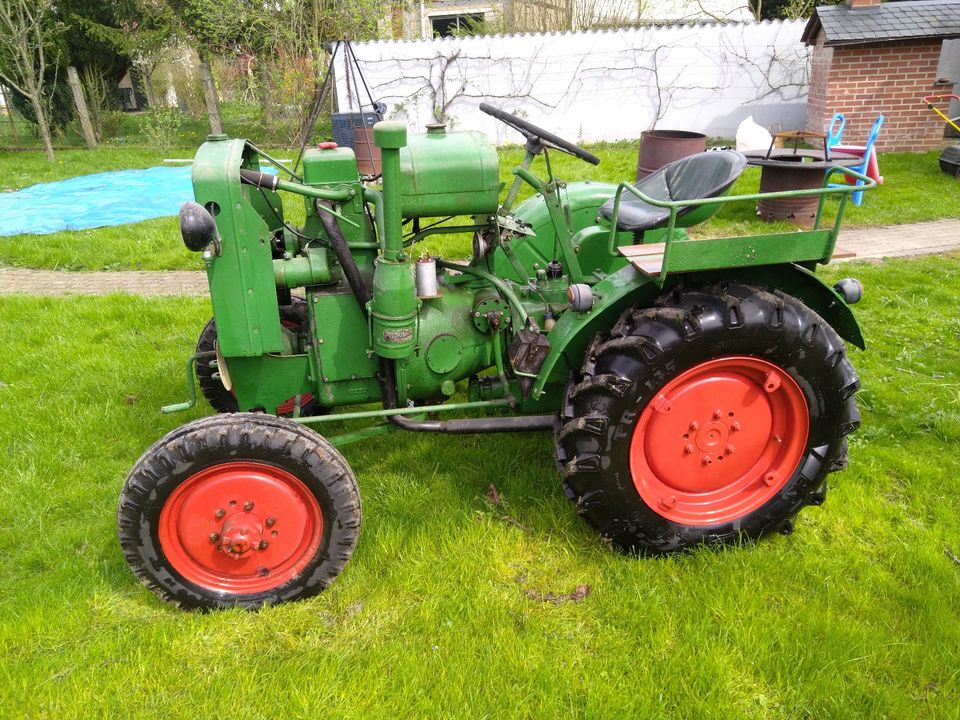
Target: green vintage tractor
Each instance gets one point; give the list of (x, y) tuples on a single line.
[(699, 391)]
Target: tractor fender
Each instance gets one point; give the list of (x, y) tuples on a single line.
[(573, 331), (628, 287)]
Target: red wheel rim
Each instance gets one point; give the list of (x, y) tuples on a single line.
[(719, 440), (240, 527)]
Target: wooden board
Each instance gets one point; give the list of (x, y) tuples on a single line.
[(647, 259)]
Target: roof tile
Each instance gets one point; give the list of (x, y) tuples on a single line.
[(895, 20)]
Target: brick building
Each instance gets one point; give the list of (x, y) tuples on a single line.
[(874, 59)]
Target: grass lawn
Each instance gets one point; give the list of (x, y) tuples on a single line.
[(440, 614), (914, 190)]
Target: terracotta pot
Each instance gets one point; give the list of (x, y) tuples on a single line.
[(368, 154)]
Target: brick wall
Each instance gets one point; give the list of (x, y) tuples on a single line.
[(863, 81), (818, 108)]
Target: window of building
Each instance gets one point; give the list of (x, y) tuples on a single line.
[(447, 25)]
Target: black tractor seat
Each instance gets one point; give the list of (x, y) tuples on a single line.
[(704, 175)]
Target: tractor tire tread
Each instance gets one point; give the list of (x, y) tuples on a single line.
[(239, 436), (648, 346)]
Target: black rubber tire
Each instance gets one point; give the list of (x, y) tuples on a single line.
[(221, 399), (648, 347), (231, 438)]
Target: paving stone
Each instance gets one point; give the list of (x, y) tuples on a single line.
[(139, 282), (927, 238)]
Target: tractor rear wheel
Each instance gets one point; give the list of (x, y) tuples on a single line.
[(239, 510), (713, 417)]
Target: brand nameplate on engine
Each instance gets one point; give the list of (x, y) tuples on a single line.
[(398, 336)]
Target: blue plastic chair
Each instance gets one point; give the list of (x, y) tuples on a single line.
[(835, 130), (867, 153)]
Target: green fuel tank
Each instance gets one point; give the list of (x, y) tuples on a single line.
[(448, 173)]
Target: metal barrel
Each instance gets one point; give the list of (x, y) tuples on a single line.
[(662, 147)]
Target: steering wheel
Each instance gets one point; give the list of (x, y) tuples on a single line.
[(529, 130)]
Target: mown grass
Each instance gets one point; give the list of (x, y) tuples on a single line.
[(439, 613), (132, 129), (914, 190)]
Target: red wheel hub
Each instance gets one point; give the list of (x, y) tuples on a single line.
[(719, 440), (240, 527)]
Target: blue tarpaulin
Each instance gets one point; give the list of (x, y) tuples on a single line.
[(89, 201)]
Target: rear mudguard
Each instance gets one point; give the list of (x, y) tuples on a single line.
[(573, 331)]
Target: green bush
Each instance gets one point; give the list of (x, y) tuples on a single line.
[(161, 128)]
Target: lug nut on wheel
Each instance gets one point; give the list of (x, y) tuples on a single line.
[(771, 382)]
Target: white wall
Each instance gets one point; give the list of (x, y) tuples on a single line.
[(591, 86)]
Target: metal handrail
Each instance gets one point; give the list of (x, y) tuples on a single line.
[(675, 205)]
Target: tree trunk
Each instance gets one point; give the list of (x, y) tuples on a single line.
[(81, 103), (508, 21), (210, 97), (152, 100), (13, 124), (44, 127), (261, 74)]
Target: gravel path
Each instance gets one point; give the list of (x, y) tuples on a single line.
[(868, 243), (138, 282)]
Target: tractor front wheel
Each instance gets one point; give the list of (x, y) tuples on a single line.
[(240, 509), (220, 399), (712, 417)]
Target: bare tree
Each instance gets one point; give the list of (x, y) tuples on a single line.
[(565, 15), (25, 49)]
